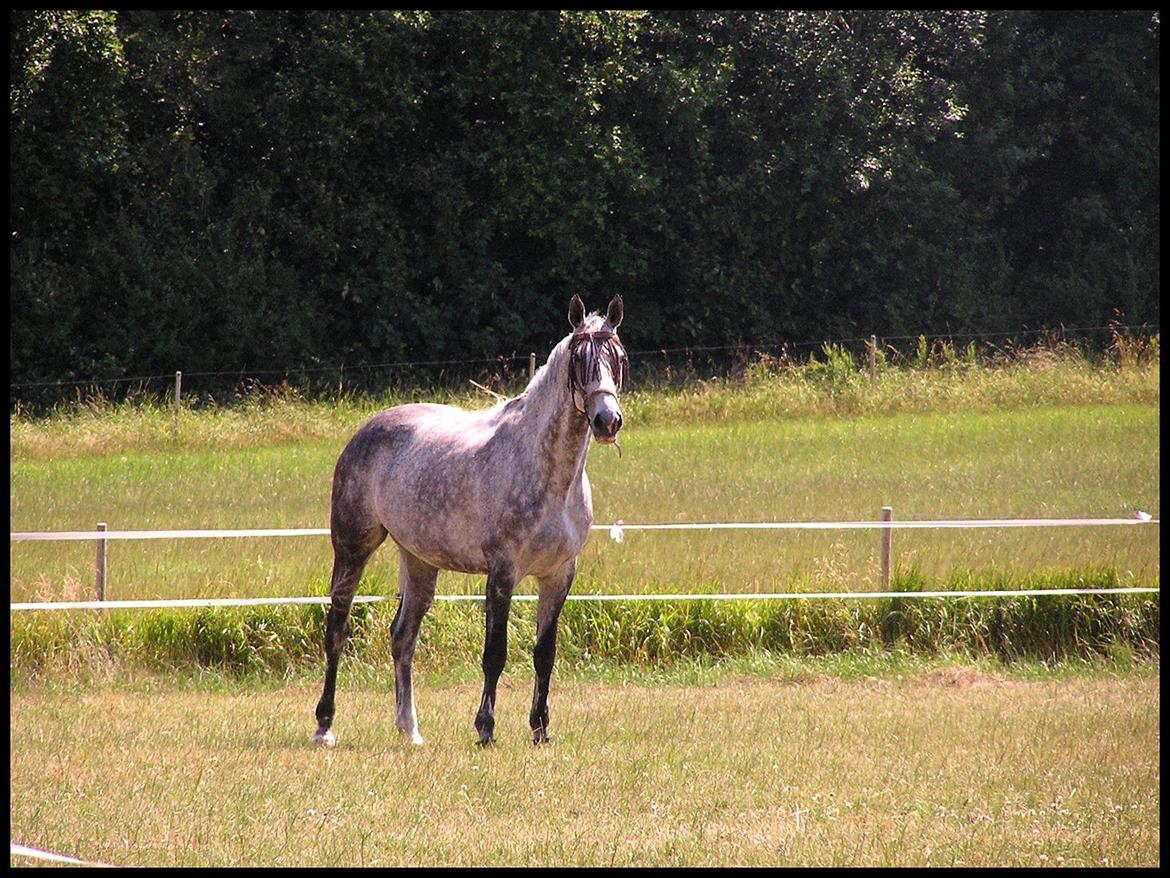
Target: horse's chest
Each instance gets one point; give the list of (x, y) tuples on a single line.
[(555, 541)]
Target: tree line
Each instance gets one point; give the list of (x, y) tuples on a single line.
[(249, 190)]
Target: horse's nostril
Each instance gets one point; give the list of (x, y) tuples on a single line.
[(598, 422), (617, 421)]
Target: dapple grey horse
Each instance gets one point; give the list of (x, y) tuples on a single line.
[(501, 491)]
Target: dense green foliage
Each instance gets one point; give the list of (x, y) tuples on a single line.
[(255, 190)]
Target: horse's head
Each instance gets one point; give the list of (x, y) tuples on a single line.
[(598, 367)]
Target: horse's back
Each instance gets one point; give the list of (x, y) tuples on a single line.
[(395, 430)]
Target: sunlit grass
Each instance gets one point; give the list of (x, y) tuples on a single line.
[(830, 384), (903, 732), (1051, 462), (954, 766)]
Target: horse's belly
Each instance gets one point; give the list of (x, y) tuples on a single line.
[(450, 548), (455, 512)]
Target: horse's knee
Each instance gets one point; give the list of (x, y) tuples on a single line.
[(495, 657)]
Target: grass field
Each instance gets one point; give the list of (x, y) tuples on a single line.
[(1048, 432), (1058, 461), (935, 767), (1005, 732)]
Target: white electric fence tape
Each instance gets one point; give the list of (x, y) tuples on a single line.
[(18, 536), (165, 534), (745, 596), (616, 532), (19, 850)]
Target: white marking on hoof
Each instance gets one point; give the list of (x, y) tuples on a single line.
[(325, 738), (414, 737)]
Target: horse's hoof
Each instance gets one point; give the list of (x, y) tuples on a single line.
[(486, 726), (486, 741), (325, 738), (540, 737), (413, 736)]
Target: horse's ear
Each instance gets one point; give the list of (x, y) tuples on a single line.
[(614, 313), (576, 312)]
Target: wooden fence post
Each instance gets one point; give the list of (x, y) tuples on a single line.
[(531, 366), (872, 355), (887, 546), (178, 391), (100, 573)]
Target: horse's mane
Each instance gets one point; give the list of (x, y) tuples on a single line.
[(550, 372)]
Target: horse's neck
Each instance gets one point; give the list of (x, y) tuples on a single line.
[(559, 432)]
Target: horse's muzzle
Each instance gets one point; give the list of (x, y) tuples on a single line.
[(604, 416), (605, 426)]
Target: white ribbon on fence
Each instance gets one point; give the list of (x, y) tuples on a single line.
[(616, 533), (745, 596), (1139, 518), (19, 850)]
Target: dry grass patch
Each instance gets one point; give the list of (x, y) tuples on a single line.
[(947, 768)]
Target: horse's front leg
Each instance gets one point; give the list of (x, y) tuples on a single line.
[(553, 591), (495, 646)]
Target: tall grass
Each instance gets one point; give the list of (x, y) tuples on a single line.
[(285, 639), (937, 378)]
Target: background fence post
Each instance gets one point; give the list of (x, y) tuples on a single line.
[(178, 391), (531, 366), (887, 546), (872, 355), (100, 573)]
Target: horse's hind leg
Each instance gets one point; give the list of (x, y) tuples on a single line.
[(416, 593), (349, 560), (553, 591)]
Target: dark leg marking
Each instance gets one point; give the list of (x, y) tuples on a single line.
[(348, 564), (495, 648), (553, 591)]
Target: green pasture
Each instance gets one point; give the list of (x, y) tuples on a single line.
[(894, 731), (1053, 461)]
